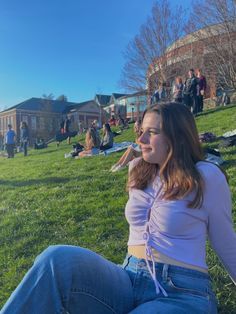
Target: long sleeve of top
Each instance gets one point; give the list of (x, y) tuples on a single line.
[(181, 232), (190, 86), (220, 225), (202, 83)]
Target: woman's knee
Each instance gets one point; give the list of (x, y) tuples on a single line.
[(56, 254)]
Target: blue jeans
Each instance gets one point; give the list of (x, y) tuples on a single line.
[(189, 291), (24, 145), (69, 279)]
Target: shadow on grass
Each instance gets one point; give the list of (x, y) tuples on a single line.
[(219, 108), (35, 181), (229, 164), (50, 150), (228, 152)]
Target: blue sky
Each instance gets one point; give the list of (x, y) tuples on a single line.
[(71, 47)]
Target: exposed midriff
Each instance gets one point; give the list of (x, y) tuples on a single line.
[(139, 251)]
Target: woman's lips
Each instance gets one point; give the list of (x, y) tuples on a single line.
[(145, 149)]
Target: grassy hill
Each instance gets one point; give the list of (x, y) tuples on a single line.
[(46, 199)]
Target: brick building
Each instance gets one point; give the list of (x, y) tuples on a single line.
[(44, 116), (191, 51)]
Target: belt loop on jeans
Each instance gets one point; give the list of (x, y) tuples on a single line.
[(165, 272)]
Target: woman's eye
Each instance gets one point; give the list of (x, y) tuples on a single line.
[(153, 132), (150, 132)]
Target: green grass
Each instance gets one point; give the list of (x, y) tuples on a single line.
[(46, 199)]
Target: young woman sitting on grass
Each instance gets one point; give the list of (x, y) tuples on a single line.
[(92, 144), (107, 140), (176, 201), (133, 151)]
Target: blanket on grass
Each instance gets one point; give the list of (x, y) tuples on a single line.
[(116, 148)]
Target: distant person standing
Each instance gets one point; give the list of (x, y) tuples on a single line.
[(67, 128), (1, 141), (62, 124), (80, 127), (10, 141), (137, 126), (163, 92), (201, 89), (24, 137), (155, 97), (178, 90), (112, 121), (190, 91)]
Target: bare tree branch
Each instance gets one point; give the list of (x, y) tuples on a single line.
[(217, 21), (162, 28)]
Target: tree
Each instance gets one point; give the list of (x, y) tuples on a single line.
[(214, 23), (46, 117), (162, 28), (48, 97), (62, 98)]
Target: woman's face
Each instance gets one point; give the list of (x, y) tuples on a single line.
[(153, 142)]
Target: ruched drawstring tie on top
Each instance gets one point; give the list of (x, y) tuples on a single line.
[(152, 270)]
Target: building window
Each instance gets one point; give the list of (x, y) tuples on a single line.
[(41, 123), (8, 120), (33, 123), (50, 125), (25, 119)]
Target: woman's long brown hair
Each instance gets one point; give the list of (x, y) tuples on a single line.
[(179, 173), (91, 140)]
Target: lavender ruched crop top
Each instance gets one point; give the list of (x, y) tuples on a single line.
[(180, 232)]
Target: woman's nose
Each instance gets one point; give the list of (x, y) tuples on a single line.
[(143, 138)]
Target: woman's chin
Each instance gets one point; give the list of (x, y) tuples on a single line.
[(147, 158)]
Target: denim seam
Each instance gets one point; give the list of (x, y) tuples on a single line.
[(186, 274), (104, 302), (128, 261), (189, 291)]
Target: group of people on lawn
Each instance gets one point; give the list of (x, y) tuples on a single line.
[(93, 142), (189, 92), (10, 139)]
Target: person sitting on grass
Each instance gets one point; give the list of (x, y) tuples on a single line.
[(94, 125), (176, 202), (133, 151), (92, 144), (40, 144), (107, 141)]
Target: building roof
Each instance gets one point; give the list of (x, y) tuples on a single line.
[(136, 94), (41, 104), (81, 104), (102, 99), (116, 95), (203, 33)]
